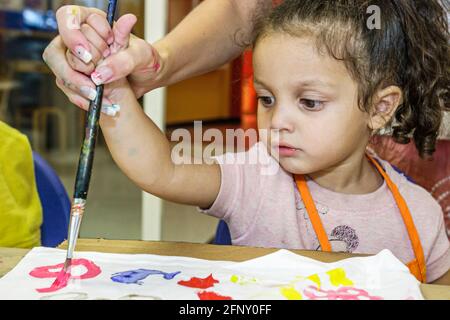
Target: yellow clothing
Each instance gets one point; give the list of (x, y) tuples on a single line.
[(20, 206)]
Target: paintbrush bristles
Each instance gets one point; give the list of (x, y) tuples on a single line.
[(67, 264), (76, 216)]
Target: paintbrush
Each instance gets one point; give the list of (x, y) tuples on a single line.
[(85, 162)]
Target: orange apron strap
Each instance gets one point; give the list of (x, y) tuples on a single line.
[(312, 212), (415, 269), (409, 223)]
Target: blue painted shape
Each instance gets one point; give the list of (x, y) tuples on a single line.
[(134, 276)]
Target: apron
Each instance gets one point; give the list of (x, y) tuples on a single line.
[(417, 267)]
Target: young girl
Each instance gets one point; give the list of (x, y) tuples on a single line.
[(326, 82)]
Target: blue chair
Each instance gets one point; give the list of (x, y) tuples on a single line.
[(223, 236), (55, 203)]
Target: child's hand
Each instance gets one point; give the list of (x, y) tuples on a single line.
[(114, 92)]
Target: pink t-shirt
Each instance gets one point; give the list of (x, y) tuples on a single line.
[(263, 208)]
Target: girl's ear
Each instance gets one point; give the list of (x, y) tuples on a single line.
[(386, 103)]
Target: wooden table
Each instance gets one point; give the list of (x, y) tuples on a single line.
[(9, 258)]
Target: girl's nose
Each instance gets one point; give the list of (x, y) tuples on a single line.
[(282, 119)]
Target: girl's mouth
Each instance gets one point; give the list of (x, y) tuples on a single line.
[(285, 150)]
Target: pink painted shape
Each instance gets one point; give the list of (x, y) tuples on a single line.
[(60, 282), (62, 278), (343, 293)]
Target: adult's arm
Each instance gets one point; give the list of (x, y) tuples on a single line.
[(211, 35)]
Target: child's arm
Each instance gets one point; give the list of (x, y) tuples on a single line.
[(143, 153)]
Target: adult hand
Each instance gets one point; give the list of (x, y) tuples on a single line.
[(86, 40)]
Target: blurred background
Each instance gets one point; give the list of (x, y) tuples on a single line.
[(222, 99)]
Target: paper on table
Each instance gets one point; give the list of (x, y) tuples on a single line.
[(280, 275)]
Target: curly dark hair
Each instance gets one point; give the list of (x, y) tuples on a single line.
[(409, 50)]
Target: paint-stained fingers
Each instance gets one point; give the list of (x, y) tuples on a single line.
[(108, 108), (94, 41), (78, 65), (102, 27), (94, 33), (73, 97), (115, 67), (70, 19), (98, 46), (122, 61), (55, 57), (139, 55)]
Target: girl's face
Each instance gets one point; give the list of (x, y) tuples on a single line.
[(308, 113)]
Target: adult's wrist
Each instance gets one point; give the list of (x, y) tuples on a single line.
[(160, 66)]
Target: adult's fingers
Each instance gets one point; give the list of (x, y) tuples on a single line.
[(55, 57), (119, 66), (115, 67), (107, 107), (78, 65), (73, 97), (140, 58), (97, 45), (70, 20), (122, 31), (101, 26)]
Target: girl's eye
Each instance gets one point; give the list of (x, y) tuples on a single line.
[(313, 105), (267, 101)]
